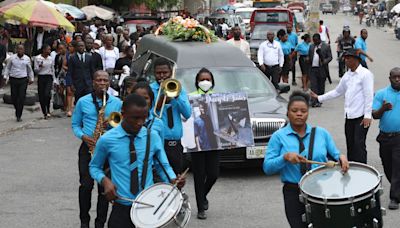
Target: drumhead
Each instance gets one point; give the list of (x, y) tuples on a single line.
[(331, 184), (143, 216)]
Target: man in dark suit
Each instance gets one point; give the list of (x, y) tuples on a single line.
[(96, 57), (81, 68), (40, 38), (3, 56), (319, 56)]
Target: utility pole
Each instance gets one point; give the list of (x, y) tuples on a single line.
[(313, 17)]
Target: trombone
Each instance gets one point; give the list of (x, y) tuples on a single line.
[(171, 88)]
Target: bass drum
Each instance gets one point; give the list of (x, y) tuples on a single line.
[(174, 212), (333, 199)]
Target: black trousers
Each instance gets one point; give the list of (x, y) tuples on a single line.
[(85, 190), (205, 168), (317, 79), (120, 217), (389, 151), (356, 135), (45, 83), (18, 94), (293, 68), (273, 73), (174, 151), (294, 209)]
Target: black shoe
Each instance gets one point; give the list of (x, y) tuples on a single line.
[(84, 225), (98, 225), (205, 205), (393, 205), (19, 119), (294, 83), (201, 215)]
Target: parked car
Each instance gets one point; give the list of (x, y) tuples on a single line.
[(327, 8), (271, 16), (233, 72), (259, 35)]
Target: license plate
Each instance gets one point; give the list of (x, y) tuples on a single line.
[(255, 152)]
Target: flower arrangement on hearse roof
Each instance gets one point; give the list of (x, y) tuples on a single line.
[(188, 29)]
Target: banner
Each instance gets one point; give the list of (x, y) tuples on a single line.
[(218, 121)]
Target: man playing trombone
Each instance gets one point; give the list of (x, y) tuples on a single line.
[(170, 112), (84, 121)]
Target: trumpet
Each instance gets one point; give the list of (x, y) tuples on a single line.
[(171, 88), (114, 119)]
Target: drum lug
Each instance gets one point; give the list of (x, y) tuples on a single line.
[(308, 208), (304, 217), (310, 225), (373, 202), (383, 211), (352, 211), (301, 198), (380, 191), (375, 223), (327, 213)]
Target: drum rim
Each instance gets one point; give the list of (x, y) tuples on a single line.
[(339, 200), (142, 192)]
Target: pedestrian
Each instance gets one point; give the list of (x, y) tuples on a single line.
[(288, 149), (126, 41), (171, 116), (302, 49), (361, 46), (44, 68), (319, 57), (357, 86), (123, 147), (386, 109), (84, 122), (81, 69), (19, 72), (324, 32), (3, 56), (118, 36), (68, 78), (109, 54), (205, 161), (60, 73), (270, 58), (39, 39), (293, 40), (286, 49), (96, 57), (238, 42), (123, 65), (345, 42)]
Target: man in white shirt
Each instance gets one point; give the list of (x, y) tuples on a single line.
[(270, 58), (236, 41), (224, 27), (357, 86), (324, 32)]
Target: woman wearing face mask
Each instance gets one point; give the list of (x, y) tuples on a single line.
[(205, 162)]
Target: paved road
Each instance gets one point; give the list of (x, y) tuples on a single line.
[(39, 177)]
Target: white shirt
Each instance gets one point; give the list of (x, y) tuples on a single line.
[(19, 67), (109, 57), (39, 40), (46, 63), (315, 61), (324, 33), (224, 28), (358, 90), (243, 45), (270, 54)]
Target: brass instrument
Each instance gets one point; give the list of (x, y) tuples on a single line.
[(99, 130), (171, 89), (114, 119)]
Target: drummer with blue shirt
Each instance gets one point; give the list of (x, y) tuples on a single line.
[(288, 150), (124, 147)]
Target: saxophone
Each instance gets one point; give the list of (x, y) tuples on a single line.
[(99, 130)]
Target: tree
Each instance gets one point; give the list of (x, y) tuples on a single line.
[(151, 4)]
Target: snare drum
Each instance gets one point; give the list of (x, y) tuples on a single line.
[(333, 199), (175, 211)]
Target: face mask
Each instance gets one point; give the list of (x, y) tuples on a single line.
[(205, 85)]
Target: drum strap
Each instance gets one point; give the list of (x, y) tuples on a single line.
[(146, 158), (311, 148)]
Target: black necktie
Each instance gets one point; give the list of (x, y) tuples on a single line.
[(303, 167), (170, 117), (134, 172)]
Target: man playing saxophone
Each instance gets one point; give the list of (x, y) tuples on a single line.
[(89, 120)]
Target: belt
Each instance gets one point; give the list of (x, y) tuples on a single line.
[(270, 66), (304, 56), (172, 142), (391, 134), (11, 77), (291, 185)]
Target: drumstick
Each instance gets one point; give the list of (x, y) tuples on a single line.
[(174, 186), (329, 164), (134, 201)]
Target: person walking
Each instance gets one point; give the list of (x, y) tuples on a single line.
[(357, 86), (386, 108), (238, 42), (44, 68), (96, 57), (302, 49), (270, 58), (293, 40), (324, 32), (286, 49), (68, 78), (19, 72), (361, 46), (319, 57)]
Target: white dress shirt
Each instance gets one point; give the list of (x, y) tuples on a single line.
[(315, 60), (270, 54), (46, 63), (19, 67), (39, 40), (358, 90), (243, 45)]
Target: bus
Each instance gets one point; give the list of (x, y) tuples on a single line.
[(266, 3)]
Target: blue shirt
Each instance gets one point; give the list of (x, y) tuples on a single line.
[(361, 44), (390, 120), (180, 106), (284, 140), (114, 147), (293, 40), (286, 47), (158, 126), (84, 118), (303, 48)]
